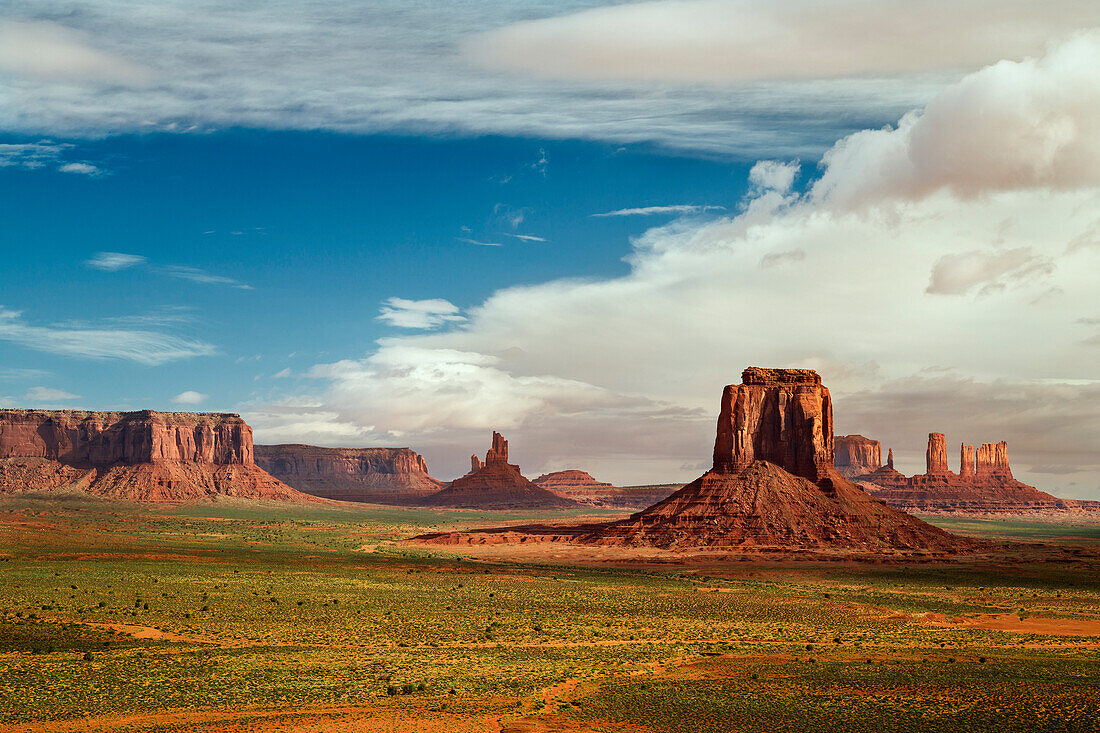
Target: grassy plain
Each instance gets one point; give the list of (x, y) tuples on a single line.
[(233, 616)]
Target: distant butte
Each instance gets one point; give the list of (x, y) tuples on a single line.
[(142, 456), (382, 475), (983, 486), (496, 484), (772, 487)]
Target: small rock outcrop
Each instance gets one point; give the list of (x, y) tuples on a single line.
[(141, 456), (496, 484), (984, 486), (381, 475), (570, 479), (855, 455)]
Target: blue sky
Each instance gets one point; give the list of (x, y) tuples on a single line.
[(398, 223)]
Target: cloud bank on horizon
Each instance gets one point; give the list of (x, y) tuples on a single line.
[(936, 272)]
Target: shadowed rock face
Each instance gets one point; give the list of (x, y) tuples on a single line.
[(141, 456), (496, 484), (855, 455), (388, 475)]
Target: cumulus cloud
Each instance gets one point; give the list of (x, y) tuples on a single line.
[(1033, 124), (114, 261), (422, 314), (624, 373), (190, 397), (142, 346), (84, 169), (48, 394), (47, 51), (724, 41), (773, 175)]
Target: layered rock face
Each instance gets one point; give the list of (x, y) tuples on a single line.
[(773, 484), (496, 484), (783, 416), (384, 475), (983, 486), (141, 456), (855, 455)]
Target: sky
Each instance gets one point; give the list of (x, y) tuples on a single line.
[(413, 223)]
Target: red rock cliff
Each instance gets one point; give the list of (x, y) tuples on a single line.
[(992, 460), (966, 461), (140, 456), (102, 439), (784, 416), (855, 455), (935, 456), (350, 474)]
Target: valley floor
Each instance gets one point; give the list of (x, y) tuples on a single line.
[(247, 617)]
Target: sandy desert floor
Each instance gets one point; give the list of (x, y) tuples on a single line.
[(245, 617)]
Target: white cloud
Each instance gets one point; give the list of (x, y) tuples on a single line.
[(85, 169), (190, 397), (478, 242), (774, 175), (726, 41), (114, 261), (561, 365), (1011, 126), (526, 237), (48, 394), (422, 314), (203, 277), (50, 52), (142, 346), (390, 65), (675, 210)]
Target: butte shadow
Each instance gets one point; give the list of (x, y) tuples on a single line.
[(772, 490)]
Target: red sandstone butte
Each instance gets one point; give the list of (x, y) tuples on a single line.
[(772, 488), (496, 484), (382, 475), (855, 455), (984, 486), (141, 456)]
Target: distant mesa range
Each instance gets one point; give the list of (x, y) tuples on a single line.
[(382, 475), (772, 488), (140, 456), (984, 485), (496, 484)]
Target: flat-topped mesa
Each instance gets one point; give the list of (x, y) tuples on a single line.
[(139, 456), (855, 455), (384, 475), (935, 457), (784, 416), (992, 460), (101, 439), (966, 461)]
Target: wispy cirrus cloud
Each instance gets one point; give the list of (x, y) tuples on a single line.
[(671, 210), (142, 346), (49, 394), (44, 154), (114, 261)]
